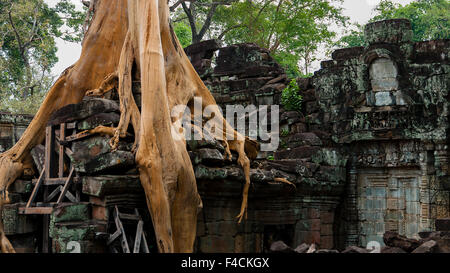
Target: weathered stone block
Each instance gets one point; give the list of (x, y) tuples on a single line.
[(308, 237), (116, 160), (105, 119), (280, 247), (443, 224), (302, 248), (85, 109), (297, 153), (78, 212), (15, 223), (327, 242), (216, 244), (100, 186), (427, 247), (394, 31)]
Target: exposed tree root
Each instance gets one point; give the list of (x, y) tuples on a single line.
[(108, 83), (284, 180), (98, 59), (143, 36)]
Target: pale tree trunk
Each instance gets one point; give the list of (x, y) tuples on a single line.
[(122, 33)]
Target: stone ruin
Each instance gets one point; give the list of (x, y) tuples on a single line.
[(368, 155)]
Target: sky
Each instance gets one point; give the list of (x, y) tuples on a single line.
[(359, 11)]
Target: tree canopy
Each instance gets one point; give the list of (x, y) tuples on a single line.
[(28, 32), (430, 20), (292, 30)]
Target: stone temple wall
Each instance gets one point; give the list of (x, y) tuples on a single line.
[(373, 128), (11, 128), (367, 153)]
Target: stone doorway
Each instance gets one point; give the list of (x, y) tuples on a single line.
[(388, 200)]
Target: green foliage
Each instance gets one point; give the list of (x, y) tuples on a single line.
[(28, 29), (183, 33), (430, 20), (289, 62), (352, 38), (271, 158), (284, 132), (287, 28), (290, 98), (293, 30), (29, 105)]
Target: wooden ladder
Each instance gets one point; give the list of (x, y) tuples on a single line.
[(140, 242)]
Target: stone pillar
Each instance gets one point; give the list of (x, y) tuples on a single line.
[(352, 209), (439, 200), (427, 175)]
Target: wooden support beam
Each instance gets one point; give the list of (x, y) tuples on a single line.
[(57, 181), (54, 193), (71, 198), (66, 186), (62, 137), (50, 152), (137, 241), (124, 242), (129, 216), (36, 188), (113, 237), (36, 210)]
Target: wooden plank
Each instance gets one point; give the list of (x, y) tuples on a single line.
[(113, 237), (54, 193), (57, 181), (62, 137), (71, 125), (144, 245), (137, 241), (69, 152), (66, 186), (36, 188), (129, 216), (70, 196), (50, 152), (125, 247), (46, 233), (77, 136), (35, 210)]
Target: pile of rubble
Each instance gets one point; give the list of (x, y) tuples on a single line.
[(430, 242)]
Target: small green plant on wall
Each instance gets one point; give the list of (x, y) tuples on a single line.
[(290, 98)]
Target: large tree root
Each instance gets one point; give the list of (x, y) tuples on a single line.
[(141, 35), (99, 58)]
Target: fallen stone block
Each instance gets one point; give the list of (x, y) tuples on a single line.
[(281, 247), (427, 247), (311, 249), (327, 251), (302, 248), (393, 239), (388, 249), (355, 249)]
